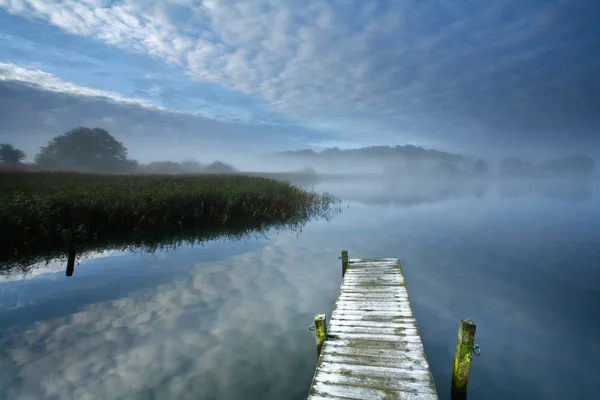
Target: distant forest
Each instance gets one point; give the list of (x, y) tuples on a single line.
[(94, 150), (411, 160), (566, 167)]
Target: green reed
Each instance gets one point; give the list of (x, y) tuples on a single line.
[(36, 207)]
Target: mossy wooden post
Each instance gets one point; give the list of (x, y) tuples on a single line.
[(68, 239), (344, 262), (320, 331), (462, 358)]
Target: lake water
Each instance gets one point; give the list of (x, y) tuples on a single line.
[(229, 320)]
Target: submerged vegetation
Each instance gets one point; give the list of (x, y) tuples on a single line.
[(142, 209)]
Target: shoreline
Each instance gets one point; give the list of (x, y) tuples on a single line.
[(36, 208)]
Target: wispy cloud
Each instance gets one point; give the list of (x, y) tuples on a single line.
[(49, 82), (447, 72), (31, 115), (35, 77), (194, 326)]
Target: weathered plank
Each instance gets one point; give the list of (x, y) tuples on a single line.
[(373, 348)]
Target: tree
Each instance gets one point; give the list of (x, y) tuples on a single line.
[(446, 169), (46, 161), (308, 171), (162, 167), (516, 167), (130, 166), (192, 167), (219, 167), (573, 166), (481, 167), (10, 154), (94, 150)]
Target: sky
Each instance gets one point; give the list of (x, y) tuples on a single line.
[(207, 80)]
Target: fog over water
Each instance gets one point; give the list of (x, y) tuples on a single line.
[(463, 138), (229, 320)]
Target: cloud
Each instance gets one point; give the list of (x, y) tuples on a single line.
[(32, 116), (48, 82), (235, 326), (55, 266), (149, 88), (496, 74), (185, 323)]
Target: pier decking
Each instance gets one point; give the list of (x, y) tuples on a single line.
[(373, 349)]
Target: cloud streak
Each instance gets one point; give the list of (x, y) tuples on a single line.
[(45, 81), (499, 73), (32, 116), (198, 329)]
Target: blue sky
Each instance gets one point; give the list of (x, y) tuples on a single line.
[(226, 79)]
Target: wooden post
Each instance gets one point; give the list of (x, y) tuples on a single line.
[(320, 331), (68, 238), (462, 359), (344, 262)]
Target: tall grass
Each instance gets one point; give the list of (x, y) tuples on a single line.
[(36, 207)]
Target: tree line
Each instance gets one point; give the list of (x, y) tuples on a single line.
[(96, 150), (566, 167), (414, 161)]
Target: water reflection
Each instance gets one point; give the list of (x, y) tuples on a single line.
[(209, 330), (229, 320), (405, 193), (571, 191), (378, 192), (154, 240), (409, 193)]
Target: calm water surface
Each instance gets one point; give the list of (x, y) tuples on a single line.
[(230, 320)]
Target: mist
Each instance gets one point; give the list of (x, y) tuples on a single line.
[(461, 137), (490, 81), (96, 150)]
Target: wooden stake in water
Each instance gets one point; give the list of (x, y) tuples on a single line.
[(344, 262), (320, 331), (462, 358), (68, 239)]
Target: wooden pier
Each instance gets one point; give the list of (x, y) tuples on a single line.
[(371, 348)]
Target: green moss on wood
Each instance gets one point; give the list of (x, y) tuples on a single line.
[(344, 262), (463, 356), (320, 331)]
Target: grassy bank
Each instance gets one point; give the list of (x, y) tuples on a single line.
[(36, 207), (295, 178)]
